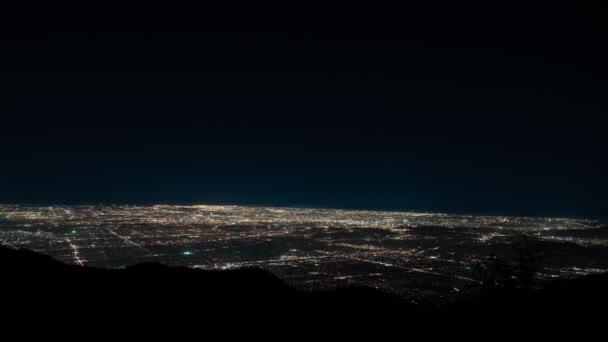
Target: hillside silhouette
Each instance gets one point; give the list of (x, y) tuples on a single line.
[(35, 282)]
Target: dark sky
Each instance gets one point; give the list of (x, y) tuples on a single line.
[(474, 109)]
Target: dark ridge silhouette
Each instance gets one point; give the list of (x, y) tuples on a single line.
[(34, 283), (35, 280)]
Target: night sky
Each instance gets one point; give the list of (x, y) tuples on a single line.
[(466, 109)]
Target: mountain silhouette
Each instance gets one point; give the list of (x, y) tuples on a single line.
[(36, 283), (34, 279)]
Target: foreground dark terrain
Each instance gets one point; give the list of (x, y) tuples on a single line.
[(33, 282)]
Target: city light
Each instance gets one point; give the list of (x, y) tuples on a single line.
[(310, 249)]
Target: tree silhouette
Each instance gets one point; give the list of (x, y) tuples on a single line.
[(496, 272)]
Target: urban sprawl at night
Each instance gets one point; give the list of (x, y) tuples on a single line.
[(425, 257)]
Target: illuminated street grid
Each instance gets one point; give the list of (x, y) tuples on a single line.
[(425, 257)]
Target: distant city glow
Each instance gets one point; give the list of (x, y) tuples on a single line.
[(398, 252)]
